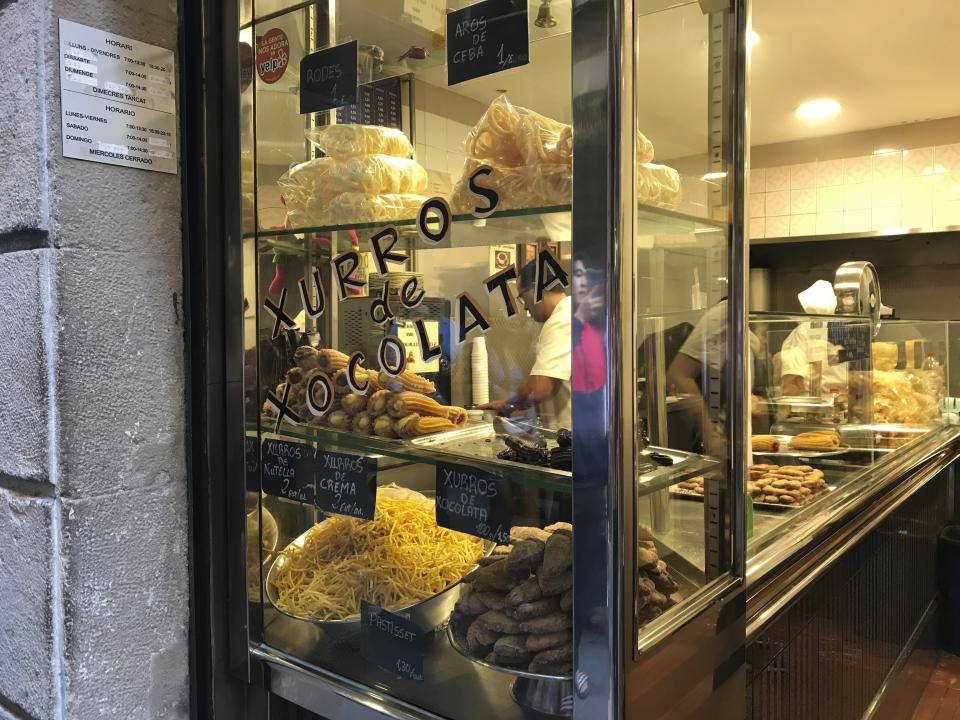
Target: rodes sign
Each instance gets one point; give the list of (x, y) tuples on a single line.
[(328, 78)]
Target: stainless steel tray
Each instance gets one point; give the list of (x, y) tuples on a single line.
[(683, 493), (430, 613), (480, 441), (785, 443), (550, 695), (685, 465), (801, 401)]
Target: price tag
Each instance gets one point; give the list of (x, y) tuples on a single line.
[(817, 341), (474, 501), (287, 470), (251, 465), (392, 642), (485, 38), (328, 78), (346, 484)]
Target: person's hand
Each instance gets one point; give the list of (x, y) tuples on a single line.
[(594, 304), (591, 308), (503, 407)]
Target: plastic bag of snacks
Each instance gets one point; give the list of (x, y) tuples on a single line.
[(350, 140)]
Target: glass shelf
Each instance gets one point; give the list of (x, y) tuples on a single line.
[(463, 447), (521, 220), (686, 465), (469, 231)]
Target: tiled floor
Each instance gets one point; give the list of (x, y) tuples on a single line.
[(941, 699)]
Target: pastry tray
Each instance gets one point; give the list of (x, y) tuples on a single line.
[(685, 466), (684, 494), (480, 441), (785, 443), (454, 634)]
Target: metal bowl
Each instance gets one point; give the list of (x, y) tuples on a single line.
[(429, 614), (548, 694)]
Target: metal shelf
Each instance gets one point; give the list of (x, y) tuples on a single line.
[(438, 449), (469, 231), (686, 465), (837, 237)]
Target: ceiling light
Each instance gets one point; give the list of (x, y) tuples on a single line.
[(715, 175), (933, 170), (752, 39), (885, 151), (817, 110)]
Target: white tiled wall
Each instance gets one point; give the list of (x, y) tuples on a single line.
[(442, 120), (903, 189)]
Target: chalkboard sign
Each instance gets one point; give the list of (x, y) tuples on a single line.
[(328, 78), (288, 470), (392, 642), (485, 38), (251, 465), (346, 484), (378, 103), (474, 501)]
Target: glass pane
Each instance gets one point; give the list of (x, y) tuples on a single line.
[(683, 160), (431, 477), (841, 175)]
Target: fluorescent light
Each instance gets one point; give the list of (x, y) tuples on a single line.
[(714, 175), (817, 110), (933, 170), (752, 39), (885, 151)]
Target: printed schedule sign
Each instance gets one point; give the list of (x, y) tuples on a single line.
[(118, 99)]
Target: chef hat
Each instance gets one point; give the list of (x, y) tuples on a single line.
[(818, 299)]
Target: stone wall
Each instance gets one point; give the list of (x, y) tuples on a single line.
[(93, 500)]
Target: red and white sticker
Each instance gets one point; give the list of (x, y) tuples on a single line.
[(273, 55)]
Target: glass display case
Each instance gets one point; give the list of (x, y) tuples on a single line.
[(461, 362), (837, 397)]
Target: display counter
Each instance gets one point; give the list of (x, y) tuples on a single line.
[(512, 443)]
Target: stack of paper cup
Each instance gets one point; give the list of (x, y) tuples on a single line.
[(479, 373)]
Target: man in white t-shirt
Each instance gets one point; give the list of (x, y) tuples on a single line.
[(705, 349), (546, 390)]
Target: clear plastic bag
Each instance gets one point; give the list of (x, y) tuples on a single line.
[(512, 136), (658, 185), (303, 181), (896, 399), (349, 140), (375, 175), (356, 208), (514, 185), (366, 188), (544, 185)]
